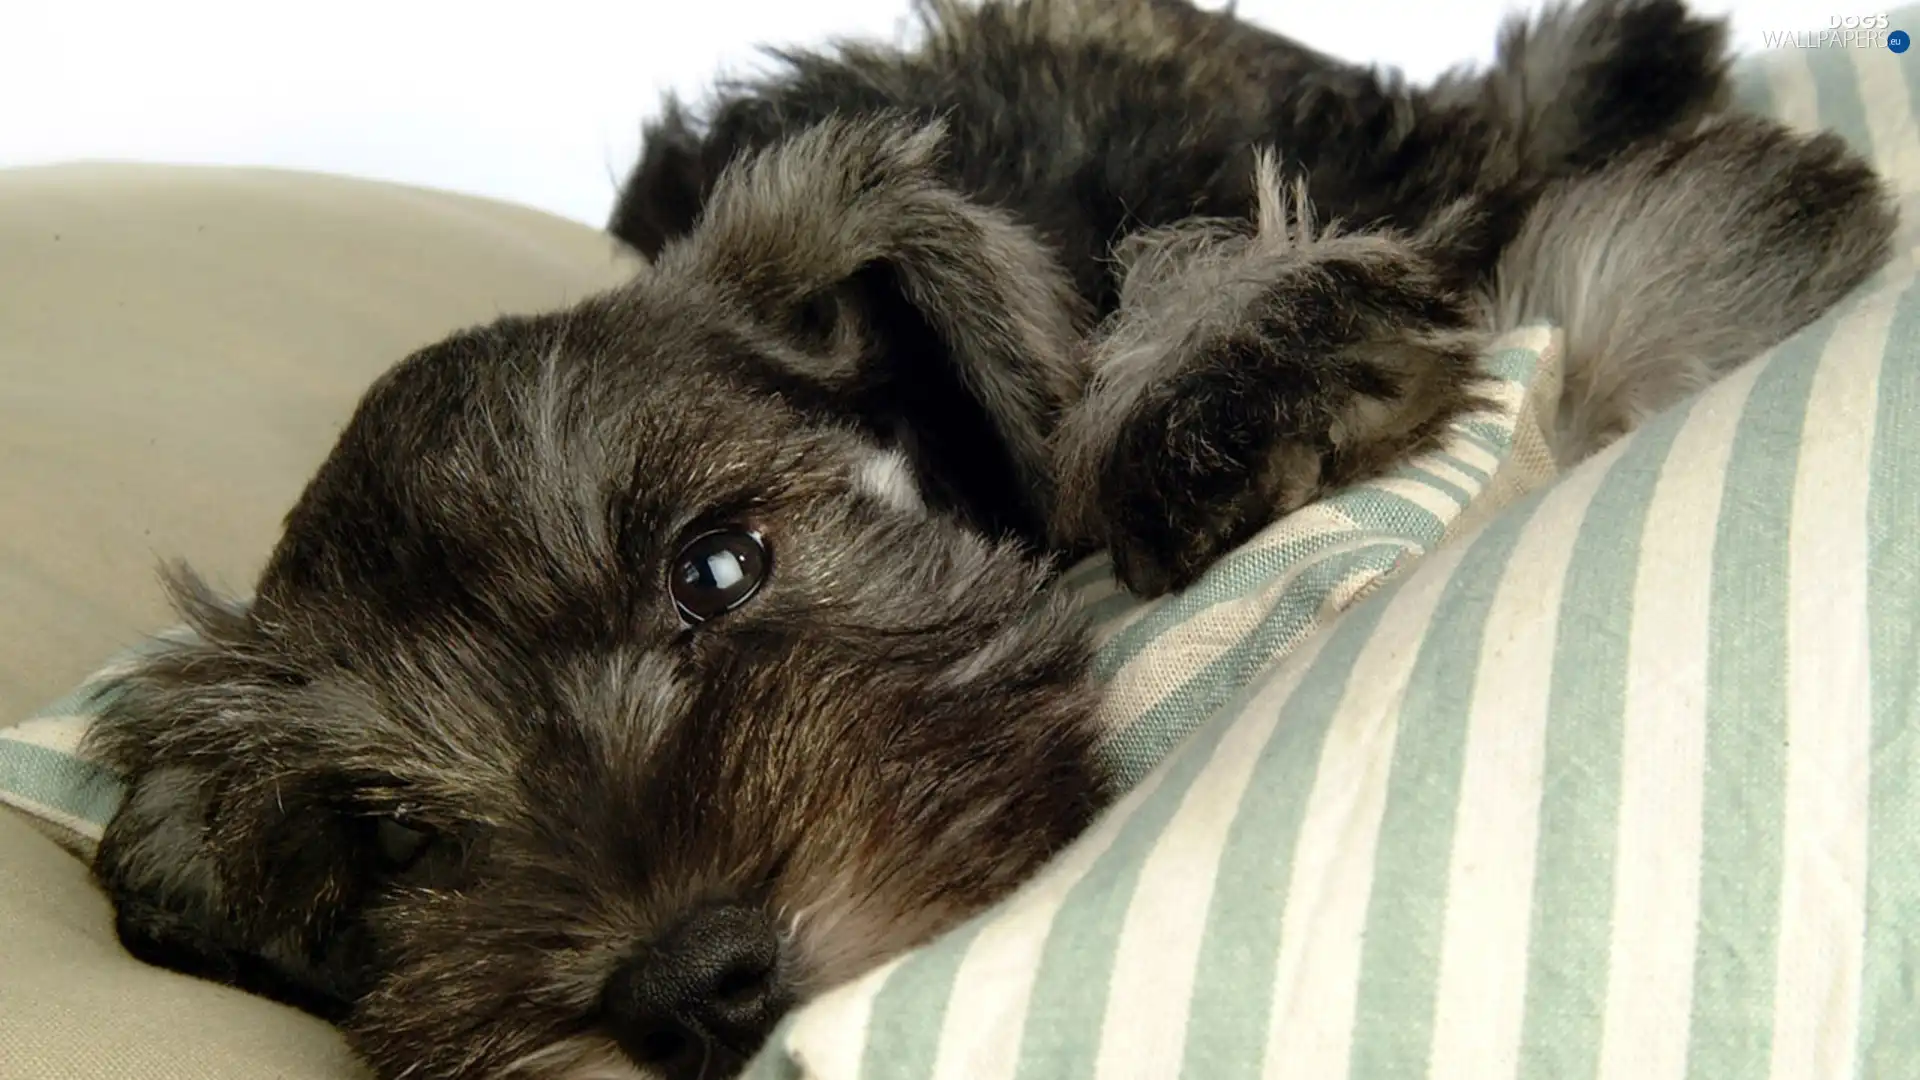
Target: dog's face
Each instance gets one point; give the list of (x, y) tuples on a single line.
[(617, 684)]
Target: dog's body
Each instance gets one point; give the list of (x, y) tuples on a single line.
[(629, 674)]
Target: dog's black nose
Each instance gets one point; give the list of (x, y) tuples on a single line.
[(701, 998)]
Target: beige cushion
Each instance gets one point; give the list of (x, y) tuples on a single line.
[(74, 1004), (178, 348)]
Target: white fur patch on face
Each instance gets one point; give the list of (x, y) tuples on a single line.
[(634, 696), (889, 476)]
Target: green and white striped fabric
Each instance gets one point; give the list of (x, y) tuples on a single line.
[(1614, 784), (43, 774), (1623, 786)]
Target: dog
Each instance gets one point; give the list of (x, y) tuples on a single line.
[(630, 674)]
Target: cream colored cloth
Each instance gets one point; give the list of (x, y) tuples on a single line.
[(75, 1006), (178, 348)]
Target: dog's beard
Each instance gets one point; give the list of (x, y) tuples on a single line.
[(575, 1057), (842, 932)]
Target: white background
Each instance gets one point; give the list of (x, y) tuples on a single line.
[(538, 103)]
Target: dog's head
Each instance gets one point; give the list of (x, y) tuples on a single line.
[(629, 674)]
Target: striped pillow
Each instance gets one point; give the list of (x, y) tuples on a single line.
[(1622, 785)]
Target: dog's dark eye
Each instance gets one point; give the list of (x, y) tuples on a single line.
[(717, 572), (400, 846)]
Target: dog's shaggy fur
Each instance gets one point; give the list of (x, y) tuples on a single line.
[(629, 674)]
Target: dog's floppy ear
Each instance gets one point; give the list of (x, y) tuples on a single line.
[(226, 859), (682, 157), (886, 293), (663, 195)]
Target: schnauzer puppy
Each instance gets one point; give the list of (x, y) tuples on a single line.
[(629, 674)]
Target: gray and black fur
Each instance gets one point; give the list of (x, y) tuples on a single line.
[(632, 673)]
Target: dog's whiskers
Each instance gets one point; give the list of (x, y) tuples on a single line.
[(580, 1057)]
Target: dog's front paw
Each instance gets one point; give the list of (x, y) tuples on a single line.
[(1246, 376), (1197, 468)]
